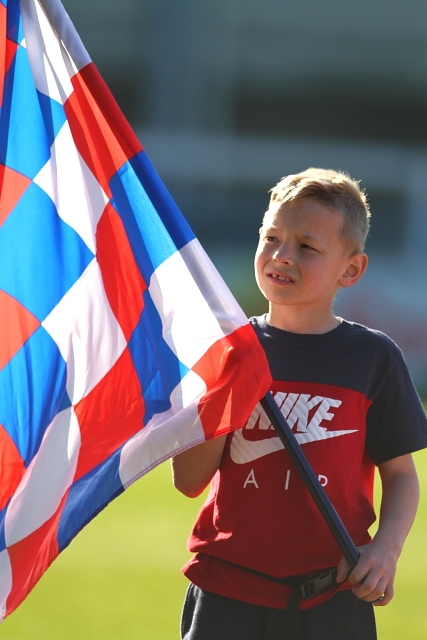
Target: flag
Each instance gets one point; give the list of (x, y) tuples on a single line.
[(120, 344)]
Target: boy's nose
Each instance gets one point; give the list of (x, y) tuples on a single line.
[(283, 254)]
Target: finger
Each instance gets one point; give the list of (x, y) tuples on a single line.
[(371, 590), (358, 575), (386, 598), (343, 569)]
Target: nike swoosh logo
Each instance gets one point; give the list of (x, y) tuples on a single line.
[(242, 450)]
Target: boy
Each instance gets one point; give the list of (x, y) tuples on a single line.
[(349, 399)]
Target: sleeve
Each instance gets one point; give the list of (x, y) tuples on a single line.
[(397, 422)]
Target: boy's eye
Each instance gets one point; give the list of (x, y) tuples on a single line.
[(307, 246), (270, 238)]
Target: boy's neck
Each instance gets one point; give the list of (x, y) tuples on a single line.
[(299, 323)]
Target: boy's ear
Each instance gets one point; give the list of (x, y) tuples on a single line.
[(355, 269)]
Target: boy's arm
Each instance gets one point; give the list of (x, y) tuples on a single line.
[(375, 571), (193, 469)]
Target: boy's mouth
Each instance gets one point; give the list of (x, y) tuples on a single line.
[(280, 278)]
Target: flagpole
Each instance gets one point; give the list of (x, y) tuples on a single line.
[(310, 480)]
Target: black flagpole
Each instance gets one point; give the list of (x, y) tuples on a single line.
[(311, 481)]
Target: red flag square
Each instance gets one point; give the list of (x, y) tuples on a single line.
[(17, 323)]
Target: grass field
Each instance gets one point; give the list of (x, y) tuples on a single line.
[(120, 577)]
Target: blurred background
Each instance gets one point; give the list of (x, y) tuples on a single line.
[(229, 96)]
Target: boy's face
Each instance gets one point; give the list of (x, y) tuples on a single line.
[(300, 260)]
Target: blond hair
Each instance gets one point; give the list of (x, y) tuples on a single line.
[(334, 189)]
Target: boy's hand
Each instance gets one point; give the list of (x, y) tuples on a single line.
[(193, 469), (373, 576)]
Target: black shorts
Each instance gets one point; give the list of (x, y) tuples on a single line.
[(208, 616)]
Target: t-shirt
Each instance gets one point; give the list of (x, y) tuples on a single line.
[(351, 403)]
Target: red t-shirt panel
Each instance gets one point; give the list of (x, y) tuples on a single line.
[(260, 515)]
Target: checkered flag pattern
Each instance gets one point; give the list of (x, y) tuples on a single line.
[(120, 344)]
